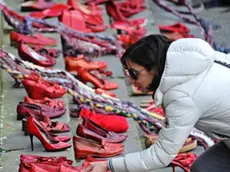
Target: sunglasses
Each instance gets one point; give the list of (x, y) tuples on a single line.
[(133, 73)]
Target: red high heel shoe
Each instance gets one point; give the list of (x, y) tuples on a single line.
[(54, 11), (103, 84), (50, 126), (36, 39), (39, 88), (72, 63), (28, 54), (33, 130), (36, 5), (56, 104), (52, 137)]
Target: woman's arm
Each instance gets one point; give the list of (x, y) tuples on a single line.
[(182, 114)]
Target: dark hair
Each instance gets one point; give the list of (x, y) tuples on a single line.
[(150, 52)]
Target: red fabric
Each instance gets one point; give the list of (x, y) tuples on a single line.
[(111, 122)]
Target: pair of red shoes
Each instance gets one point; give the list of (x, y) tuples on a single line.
[(38, 88), (34, 163), (82, 67), (49, 141), (40, 108)]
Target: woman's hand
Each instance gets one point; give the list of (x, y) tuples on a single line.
[(97, 167)]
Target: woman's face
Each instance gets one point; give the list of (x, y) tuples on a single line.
[(139, 76)]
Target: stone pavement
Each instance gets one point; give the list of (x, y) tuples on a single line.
[(14, 143)]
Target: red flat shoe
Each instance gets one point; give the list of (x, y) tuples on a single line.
[(184, 161), (87, 133), (56, 104), (36, 39), (33, 130), (28, 54), (43, 88), (36, 5), (177, 27), (54, 11), (85, 147), (89, 124), (129, 8)]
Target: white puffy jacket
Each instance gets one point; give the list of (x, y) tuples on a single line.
[(195, 91)]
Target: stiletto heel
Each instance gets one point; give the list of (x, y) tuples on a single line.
[(31, 142), (45, 138)]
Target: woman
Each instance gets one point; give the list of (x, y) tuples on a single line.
[(192, 82)]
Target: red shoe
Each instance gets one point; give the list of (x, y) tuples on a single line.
[(56, 104), (33, 130), (177, 27), (89, 124), (50, 126), (103, 84), (28, 54), (26, 161), (85, 147), (54, 11), (39, 111), (184, 161), (36, 5), (109, 138), (40, 88), (113, 10), (72, 63), (129, 8), (70, 18), (91, 16), (52, 137), (100, 91), (36, 39), (51, 52)]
